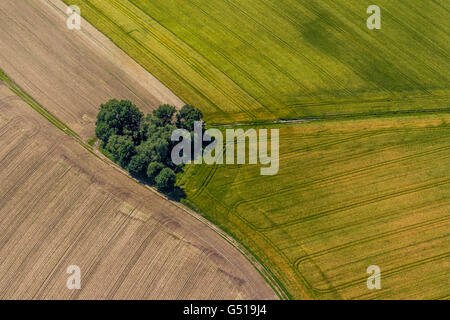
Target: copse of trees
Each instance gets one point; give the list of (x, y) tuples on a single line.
[(141, 144)]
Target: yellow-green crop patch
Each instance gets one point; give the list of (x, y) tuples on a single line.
[(262, 59), (349, 194)]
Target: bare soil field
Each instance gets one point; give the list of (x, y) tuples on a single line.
[(71, 72), (62, 206)]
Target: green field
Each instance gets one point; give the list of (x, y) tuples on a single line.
[(349, 194), (261, 59), (360, 187)]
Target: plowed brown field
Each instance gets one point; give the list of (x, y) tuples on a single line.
[(61, 206)]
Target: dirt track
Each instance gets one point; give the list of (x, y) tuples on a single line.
[(60, 205), (71, 72)]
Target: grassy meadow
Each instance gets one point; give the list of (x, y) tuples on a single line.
[(361, 186)]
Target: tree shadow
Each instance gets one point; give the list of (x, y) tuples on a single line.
[(176, 194)]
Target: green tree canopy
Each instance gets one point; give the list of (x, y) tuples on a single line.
[(165, 180), (155, 150), (118, 118), (187, 116), (163, 115), (154, 168), (122, 148), (142, 144), (138, 165)]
